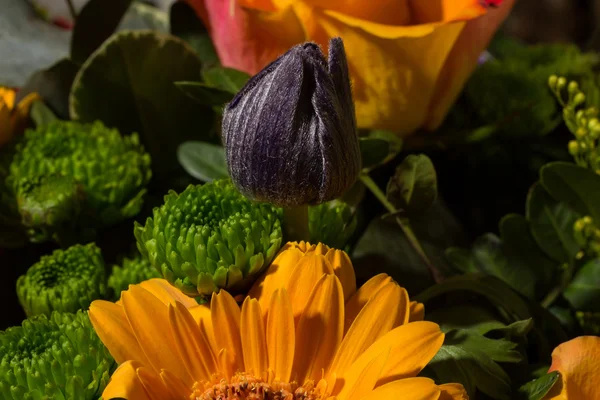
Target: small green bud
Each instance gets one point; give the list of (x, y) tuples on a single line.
[(552, 81), (132, 272), (573, 147), (210, 237), (561, 83), (591, 112), (67, 280), (587, 220), (56, 357), (579, 99), (573, 87), (580, 133)]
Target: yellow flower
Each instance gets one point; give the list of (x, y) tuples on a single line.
[(13, 119), (408, 59), (577, 362), (304, 344)]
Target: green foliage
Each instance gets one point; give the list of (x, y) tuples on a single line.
[(332, 223), (132, 271), (67, 280), (210, 237), (413, 188), (538, 388), (65, 180), (203, 161), (55, 358)]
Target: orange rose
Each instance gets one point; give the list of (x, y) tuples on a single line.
[(409, 59)]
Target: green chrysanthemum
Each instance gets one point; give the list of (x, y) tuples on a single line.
[(67, 280), (210, 237), (55, 358), (133, 271), (332, 223), (66, 179)]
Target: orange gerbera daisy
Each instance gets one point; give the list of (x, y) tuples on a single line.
[(13, 118), (307, 342)]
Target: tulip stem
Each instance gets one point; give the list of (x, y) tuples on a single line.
[(404, 224), (295, 223)]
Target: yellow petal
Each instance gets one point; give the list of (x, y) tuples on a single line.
[(167, 293), (194, 348), (445, 11), (112, 326), (254, 342), (577, 362), (362, 296), (406, 389), (281, 336), (453, 391), (226, 324), (393, 12), (320, 249), (175, 384), (343, 269), (413, 346), (308, 271), (149, 320), (7, 97), (320, 329), (154, 385), (373, 322), (124, 383), (417, 311), (360, 381), (276, 276)]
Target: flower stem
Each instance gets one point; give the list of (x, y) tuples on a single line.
[(404, 224), (295, 223), (72, 9)]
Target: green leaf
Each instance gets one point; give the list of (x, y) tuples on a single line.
[(96, 21), (552, 225), (537, 389), (40, 114), (413, 187), (203, 161), (518, 329), (576, 186), (186, 25), (584, 290), (373, 152), (228, 79), (461, 259), (394, 142), (128, 84), (203, 94)]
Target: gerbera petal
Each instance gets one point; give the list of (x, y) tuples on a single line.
[(226, 325), (320, 249), (406, 389), (281, 337), (362, 296), (417, 342), (149, 318), (453, 391), (7, 97), (112, 326), (306, 274), (124, 383), (320, 329), (373, 322), (194, 348), (167, 293), (175, 384), (154, 385), (417, 311), (342, 267), (254, 342), (359, 382)]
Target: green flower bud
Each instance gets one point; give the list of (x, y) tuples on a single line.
[(580, 133), (332, 223), (579, 99), (56, 357), (67, 280), (573, 147), (209, 237), (573, 87), (133, 271), (67, 178), (552, 81), (561, 83)]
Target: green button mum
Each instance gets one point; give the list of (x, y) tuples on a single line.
[(65, 180), (66, 280), (209, 237), (58, 357), (132, 271)]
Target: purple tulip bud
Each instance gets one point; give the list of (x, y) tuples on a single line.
[(290, 133)]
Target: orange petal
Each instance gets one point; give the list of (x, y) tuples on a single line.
[(154, 385), (7, 97), (112, 326), (254, 342), (417, 311), (281, 336), (372, 323), (320, 329), (453, 391), (392, 12), (308, 271), (360, 380), (175, 385), (343, 269), (577, 362), (406, 389), (445, 11), (226, 324), (149, 320), (167, 293), (362, 296), (124, 383), (194, 348)]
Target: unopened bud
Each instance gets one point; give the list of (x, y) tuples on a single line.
[(580, 133), (573, 87), (561, 83), (290, 133), (552, 81), (579, 99), (573, 147)]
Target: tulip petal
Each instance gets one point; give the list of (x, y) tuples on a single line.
[(254, 342), (281, 339), (148, 318), (362, 296), (320, 329), (124, 383), (406, 389), (112, 326), (453, 391), (343, 269), (306, 274), (226, 317)]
